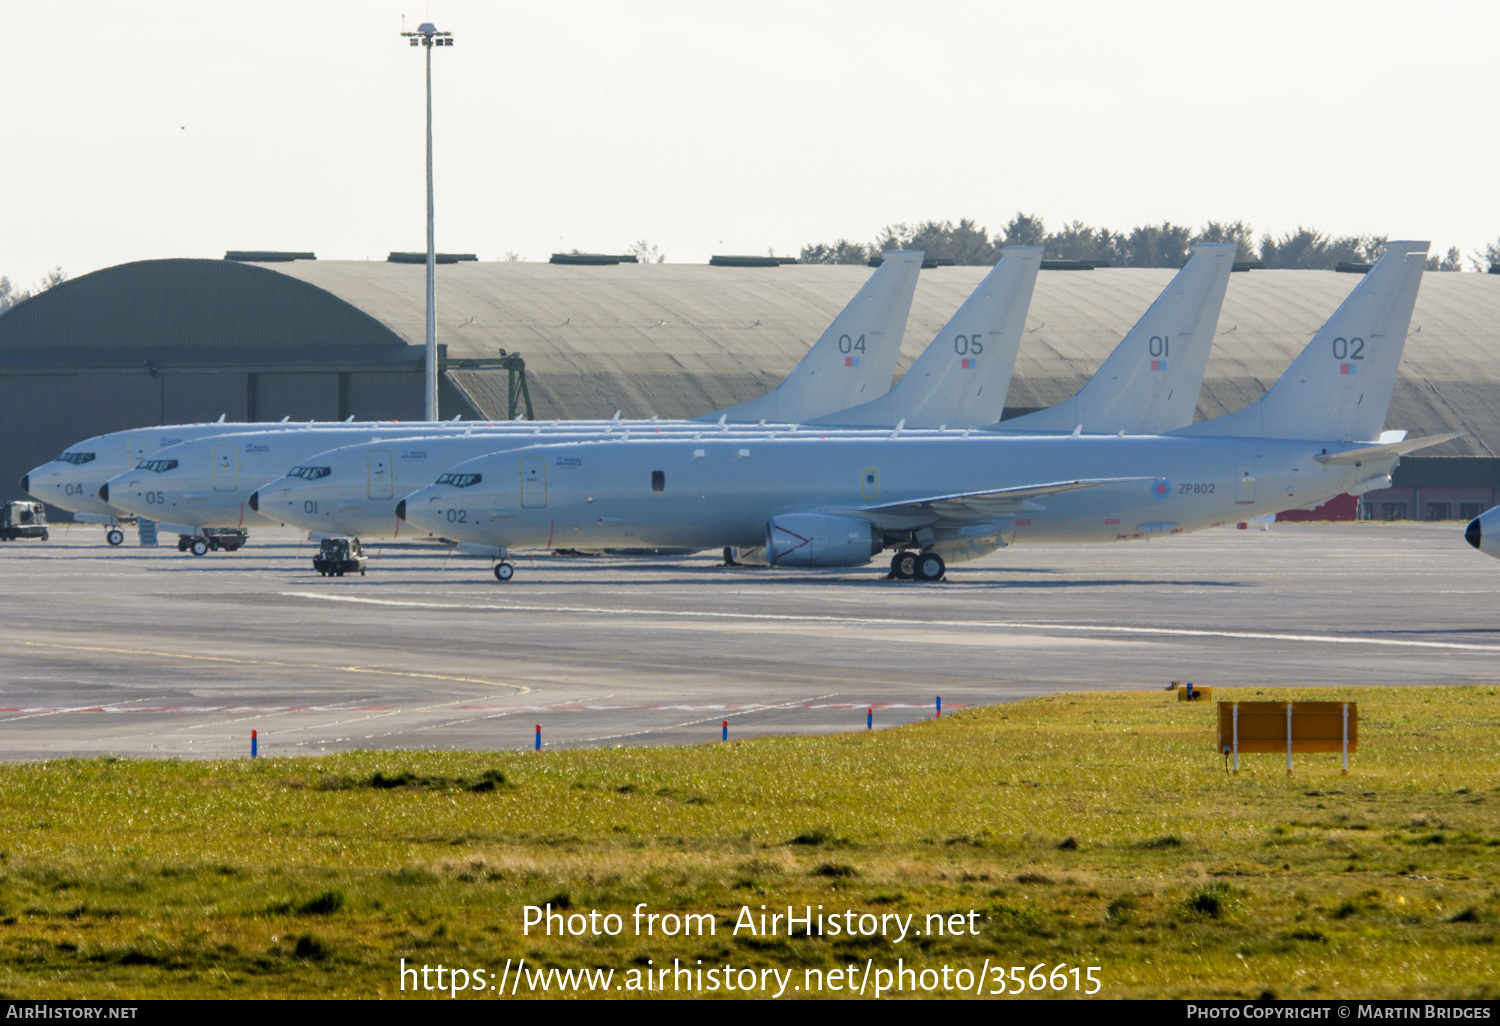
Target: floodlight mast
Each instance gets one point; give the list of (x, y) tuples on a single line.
[(428, 36)]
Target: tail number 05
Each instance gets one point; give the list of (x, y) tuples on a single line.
[(966, 345)]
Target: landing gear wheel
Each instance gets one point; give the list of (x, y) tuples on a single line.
[(904, 566), (199, 547), (504, 572), (115, 536), (930, 567), (44, 534)]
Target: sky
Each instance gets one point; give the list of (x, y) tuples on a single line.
[(187, 129)]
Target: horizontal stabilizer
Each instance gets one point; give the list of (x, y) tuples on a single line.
[(992, 496), (1372, 453)]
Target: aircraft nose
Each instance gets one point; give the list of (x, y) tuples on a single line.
[(104, 491), (401, 510), (254, 501), (26, 483), (1472, 535)]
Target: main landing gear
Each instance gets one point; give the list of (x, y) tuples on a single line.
[(917, 566)]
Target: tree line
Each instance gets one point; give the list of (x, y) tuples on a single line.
[(11, 294), (1163, 245)]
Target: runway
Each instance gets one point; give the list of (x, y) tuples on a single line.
[(136, 651)]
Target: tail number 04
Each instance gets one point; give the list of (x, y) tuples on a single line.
[(848, 345), (1158, 345), (1348, 349)]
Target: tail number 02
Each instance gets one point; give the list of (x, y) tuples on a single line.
[(848, 345), (1158, 346), (1348, 349)]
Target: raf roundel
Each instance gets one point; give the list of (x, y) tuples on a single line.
[(1161, 489)]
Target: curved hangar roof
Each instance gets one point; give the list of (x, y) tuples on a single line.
[(680, 340)]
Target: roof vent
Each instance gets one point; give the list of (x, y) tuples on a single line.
[(593, 259), (750, 261), (266, 256), (421, 258), (1072, 265), (928, 263)]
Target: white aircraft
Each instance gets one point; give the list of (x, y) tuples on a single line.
[(1483, 532), (947, 387), (834, 502), (72, 480), (876, 315), (329, 493)]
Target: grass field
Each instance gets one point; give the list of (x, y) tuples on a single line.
[(1086, 829)]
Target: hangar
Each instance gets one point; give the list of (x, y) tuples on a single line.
[(262, 336)]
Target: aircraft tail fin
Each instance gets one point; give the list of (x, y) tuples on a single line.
[(853, 361), (961, 378), (1150, 383), (1340, 386)]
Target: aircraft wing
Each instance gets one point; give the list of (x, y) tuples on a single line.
[(1371, 453), (990, 501)]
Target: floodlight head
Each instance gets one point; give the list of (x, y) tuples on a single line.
[(414, 41)]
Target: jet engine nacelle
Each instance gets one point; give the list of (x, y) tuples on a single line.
[(1484, 532), (820, 539)]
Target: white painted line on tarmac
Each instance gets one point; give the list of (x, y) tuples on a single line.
[(1177, 632)]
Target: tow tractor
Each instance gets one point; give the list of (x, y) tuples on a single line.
[(212, 539), (23, 520), (339, 556)]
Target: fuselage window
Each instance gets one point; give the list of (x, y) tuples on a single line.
[(76, 458), (157, 466), (309, 473), (658, 480), (460, 480)]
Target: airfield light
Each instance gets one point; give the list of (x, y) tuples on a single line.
[(428, 36)]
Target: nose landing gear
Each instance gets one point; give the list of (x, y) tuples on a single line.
[(504, 571)]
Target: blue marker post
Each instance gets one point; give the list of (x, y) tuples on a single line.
[(253, 745), (725, 736), (870, 718), (539, 737), (940, 707)]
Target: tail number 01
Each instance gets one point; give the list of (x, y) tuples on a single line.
[(1158, 346), (1348, 349), (848, 345), (965, 345)]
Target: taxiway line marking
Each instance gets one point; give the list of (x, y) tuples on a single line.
[(520, 689), (694, 614)]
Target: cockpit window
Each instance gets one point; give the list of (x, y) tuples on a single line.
[(460, 480), (309, 473), (76, 458), (157, 466)]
